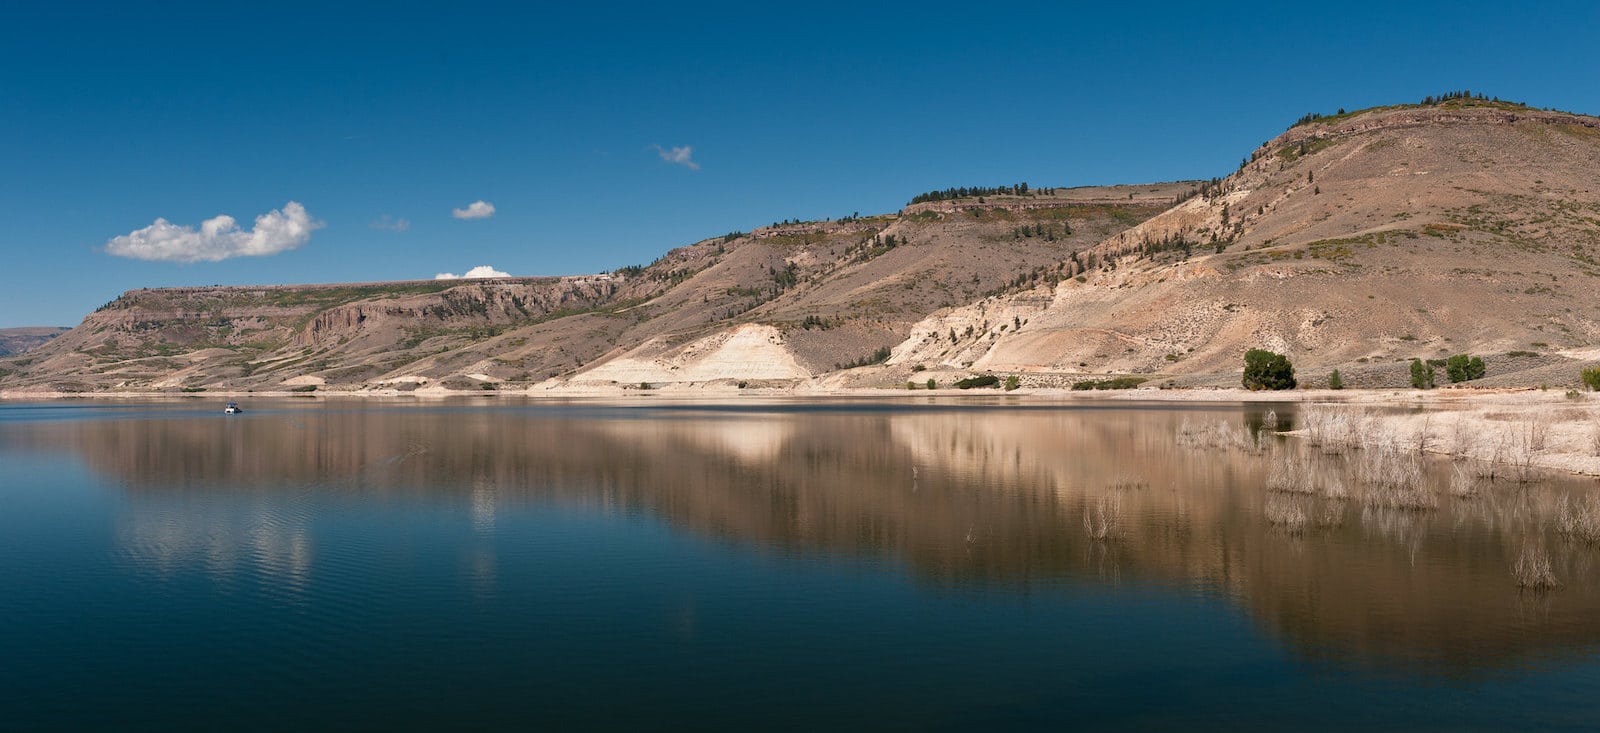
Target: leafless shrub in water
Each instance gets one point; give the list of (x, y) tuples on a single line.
[(1519, 455), (1291, 474), (1219, 435), (1331, 514), (1512, 511), (1393, 478), (1332, 484), (1512, 457), (1334, 430), (1269, 421), (1463, 482), (1286, 514), (1375, 435), (1322, 425), (1493, 466), (1423, 436), (1403, 528), (1104, 521), (1463, 438), (1578, 520), (1314, 420), (1533, 569)]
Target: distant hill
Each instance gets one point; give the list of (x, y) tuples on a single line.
[(1357, 241), (14, 341)]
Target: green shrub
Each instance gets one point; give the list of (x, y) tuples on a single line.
[(932, 384), (1266, 370), (1463, 368), (1115, 383), (877, 357), (910, 384), (1012, 382), (987, 380), (1591, 378), (1335, 381), (1421, 374)]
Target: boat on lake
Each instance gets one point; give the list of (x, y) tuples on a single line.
[(232, 408)]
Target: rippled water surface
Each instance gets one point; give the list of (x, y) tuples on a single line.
[(926, 565)]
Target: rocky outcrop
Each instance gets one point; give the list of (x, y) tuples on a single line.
[(1414, 117)]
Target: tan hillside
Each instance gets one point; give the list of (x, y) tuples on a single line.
[(779, 304), (1354, 242), (1357, 241)]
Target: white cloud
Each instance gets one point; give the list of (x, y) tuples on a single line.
[(474, 210), (390, 224), (680, 155), (218, 238), (477, 272)]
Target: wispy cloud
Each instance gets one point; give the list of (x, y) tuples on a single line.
[(218, 238), (390, 224), (475, 210), (679, 155), (480, 271)]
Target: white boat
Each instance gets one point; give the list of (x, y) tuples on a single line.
[(232, 408)]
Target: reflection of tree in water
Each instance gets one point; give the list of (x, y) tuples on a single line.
[(968, 496)]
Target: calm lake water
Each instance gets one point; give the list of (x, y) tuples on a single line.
[(909, 566)]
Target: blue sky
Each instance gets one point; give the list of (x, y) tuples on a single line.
[(565, 119)]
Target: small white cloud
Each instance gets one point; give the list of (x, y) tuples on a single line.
[(390, 224), (481, 271), (218, 238), (474, 210), (678, 155)]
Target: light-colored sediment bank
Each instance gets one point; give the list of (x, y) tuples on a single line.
[(1550, 430)]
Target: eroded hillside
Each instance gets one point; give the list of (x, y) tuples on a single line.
[(1357, 242), (777, 305)]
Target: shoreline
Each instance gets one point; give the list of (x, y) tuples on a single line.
[(1550, 429)]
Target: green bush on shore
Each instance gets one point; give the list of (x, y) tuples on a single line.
[(1266, 370)]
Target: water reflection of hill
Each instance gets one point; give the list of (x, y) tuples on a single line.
[(957, 497)]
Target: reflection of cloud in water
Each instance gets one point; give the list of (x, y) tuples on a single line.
[(483, 571), (165, 538), (483, 506)]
